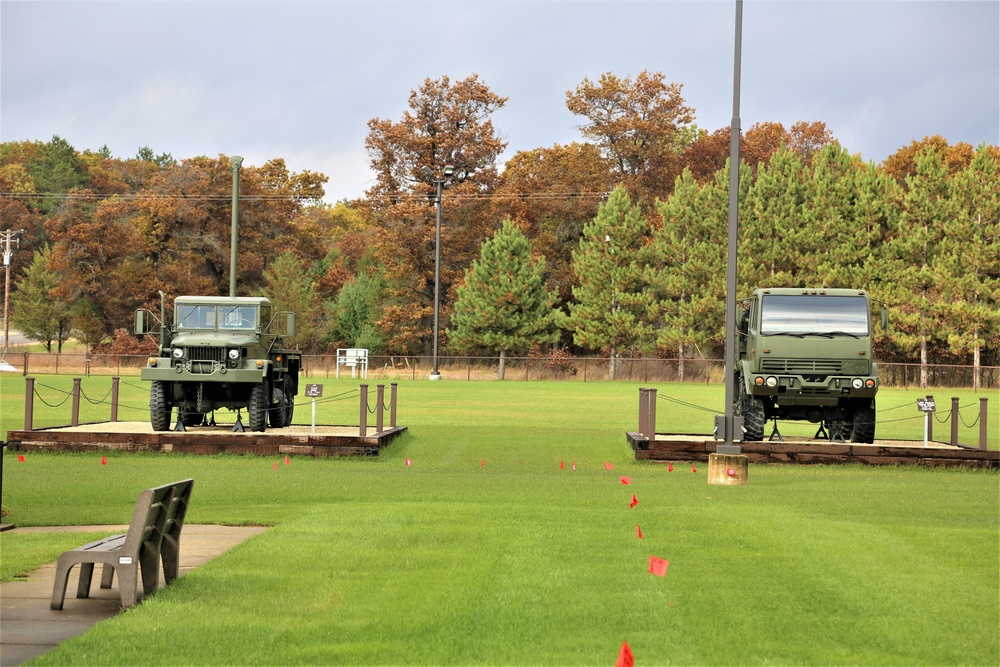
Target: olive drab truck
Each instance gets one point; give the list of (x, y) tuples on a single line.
[(221, 352), (806, 354)]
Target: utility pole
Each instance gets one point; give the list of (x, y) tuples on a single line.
[(5, 238)]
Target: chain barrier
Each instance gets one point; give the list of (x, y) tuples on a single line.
[(962, 419), (60, 403), (93, 402), (670, 399)]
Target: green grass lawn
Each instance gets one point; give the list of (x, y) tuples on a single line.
[(369, 561)]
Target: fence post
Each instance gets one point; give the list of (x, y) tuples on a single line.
[(954, 421), (114, 398), (379, 405), (651, 397), (392, 406), (930, 424), (982, 423), (29, 400), (643, 406), (363, 421), (74, 419)]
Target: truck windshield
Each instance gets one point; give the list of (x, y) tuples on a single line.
[(195, 317), (823, 315), (238, 317)]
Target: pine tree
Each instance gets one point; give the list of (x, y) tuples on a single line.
[(503, 304), (969, 263), (289, 287), (613, 306), (35, 313)]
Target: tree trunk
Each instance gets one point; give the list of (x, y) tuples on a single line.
[(503, 365), (923, 361), (976, 383), (680, 362), (612, 363)]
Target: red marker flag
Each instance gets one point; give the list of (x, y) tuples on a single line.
[(730, 472), (632, 503), (670, 467), (287, 461), (409, 462), (104, 460), (607, 465), (625, 658), (275, 466), (573, 466), (20, 458), (658, 566), (638, 531), (625, 480), (693, 469), (562, 466), (482, 463)]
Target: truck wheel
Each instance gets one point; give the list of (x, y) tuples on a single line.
[(257, 407), (752, 409), (193, 418), (159, 406), (290, 410), (864, 423), (276, 411)]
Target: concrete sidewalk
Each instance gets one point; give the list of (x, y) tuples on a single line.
[(29, 628)]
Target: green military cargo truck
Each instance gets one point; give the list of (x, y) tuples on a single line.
[(222, 352), (806, 354)]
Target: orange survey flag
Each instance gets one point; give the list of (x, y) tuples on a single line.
[(625, 658)]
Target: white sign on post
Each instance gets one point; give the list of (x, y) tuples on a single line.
[(926, 405), (314, 391)]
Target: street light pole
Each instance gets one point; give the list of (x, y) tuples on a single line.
[(6, 237), (448, 171)]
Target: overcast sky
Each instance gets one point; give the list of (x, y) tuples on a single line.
[(300, 80)]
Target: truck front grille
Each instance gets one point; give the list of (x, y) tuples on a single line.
[(205, 354), (816, 367)]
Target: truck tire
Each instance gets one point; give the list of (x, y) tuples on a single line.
[(752, 409), (159, 406), (276, 413), (257, 407), (864, 423)]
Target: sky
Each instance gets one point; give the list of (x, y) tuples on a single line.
[(300, 80)]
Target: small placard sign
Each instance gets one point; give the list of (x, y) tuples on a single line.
[(314, 390), (925, 404)]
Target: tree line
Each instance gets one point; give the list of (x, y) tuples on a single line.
[(614, 244)]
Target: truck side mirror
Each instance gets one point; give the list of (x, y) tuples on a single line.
[(885, 318), (140, 322), (290, 325)]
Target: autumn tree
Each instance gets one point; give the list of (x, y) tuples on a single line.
[(446, 124), (641, 125), (903, 163), (35, 313), (503, 304), (613, 308)]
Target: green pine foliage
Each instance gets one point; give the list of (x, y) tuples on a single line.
[(613, 308), (503, 304), (34, 312)]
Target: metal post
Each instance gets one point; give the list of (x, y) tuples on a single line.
[(734, 193), (954, 421), (982, 423), (114, 399), (379, 406), (29, 401), (392, 406), (651, 412), (929, 435), (235, 161), (642, 411), (435, 375), (75, 417), (363, 421)]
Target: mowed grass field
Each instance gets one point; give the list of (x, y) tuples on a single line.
[(486, 551)]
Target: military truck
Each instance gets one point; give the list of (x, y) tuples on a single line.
[(806, 354), (221, 352)]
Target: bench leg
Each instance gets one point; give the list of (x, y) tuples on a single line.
[(128, 580), (169, 552), (86, 576), (107, 575), (63, 568)]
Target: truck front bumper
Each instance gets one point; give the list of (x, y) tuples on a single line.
[(218, 372), (800, 391)]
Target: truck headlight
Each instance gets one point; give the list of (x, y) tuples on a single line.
[(234, 354), (857, 383), (178, 353), (772, 381)]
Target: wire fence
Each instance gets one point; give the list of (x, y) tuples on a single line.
[(469, 368)]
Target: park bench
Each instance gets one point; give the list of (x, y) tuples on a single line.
[(153, 534)]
